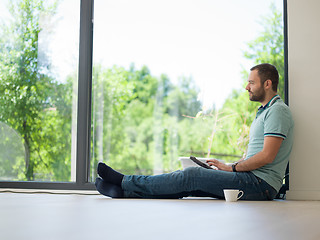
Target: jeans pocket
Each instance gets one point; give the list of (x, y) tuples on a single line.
[(269, 191), (268, 195)]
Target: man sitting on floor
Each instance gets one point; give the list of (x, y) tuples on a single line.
[(260, 174)]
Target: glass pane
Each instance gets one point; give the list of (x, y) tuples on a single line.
[(38, 89), (168, 79)]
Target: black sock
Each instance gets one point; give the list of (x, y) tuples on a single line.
[(109, 175), (108, 189)]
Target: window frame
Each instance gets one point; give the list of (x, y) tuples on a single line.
[(285, 186), (83, 116), (84, 107)]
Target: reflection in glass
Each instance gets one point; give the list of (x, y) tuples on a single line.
[(13, 159)]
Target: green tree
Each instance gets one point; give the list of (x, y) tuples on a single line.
[(30, 100), (113, 92), (136, 118)]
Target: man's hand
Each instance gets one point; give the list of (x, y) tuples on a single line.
[(219, 165)]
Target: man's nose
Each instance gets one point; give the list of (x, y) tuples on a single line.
[(247, 87)]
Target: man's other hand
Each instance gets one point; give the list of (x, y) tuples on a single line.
[(219, 165)]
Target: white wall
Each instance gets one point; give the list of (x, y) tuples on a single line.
[(304, 89)]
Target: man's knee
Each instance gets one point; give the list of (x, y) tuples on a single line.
[(191, 172)]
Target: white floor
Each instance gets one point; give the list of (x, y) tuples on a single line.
[(57, 216)]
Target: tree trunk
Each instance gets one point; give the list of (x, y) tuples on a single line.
[(29, 164)]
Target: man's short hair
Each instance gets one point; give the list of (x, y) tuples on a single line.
[(267, 71)]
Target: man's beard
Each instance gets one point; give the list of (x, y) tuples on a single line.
[(258, 96)]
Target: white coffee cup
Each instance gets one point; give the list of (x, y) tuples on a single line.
[(232, 195)]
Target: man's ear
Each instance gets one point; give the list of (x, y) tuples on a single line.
[(268, 84)]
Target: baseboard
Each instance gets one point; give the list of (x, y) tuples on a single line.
[(49, 191), (303, 195)]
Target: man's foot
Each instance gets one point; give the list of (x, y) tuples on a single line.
[(108, 189), (109, 175)]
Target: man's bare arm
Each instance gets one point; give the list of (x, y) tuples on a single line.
[(270, 150)]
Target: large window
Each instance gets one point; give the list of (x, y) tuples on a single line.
[(38, 89), (146, 82), (168, 79)]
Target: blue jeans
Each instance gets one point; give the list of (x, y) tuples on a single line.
[(198, 182)]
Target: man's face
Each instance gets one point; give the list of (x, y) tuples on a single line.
[(254, 87)]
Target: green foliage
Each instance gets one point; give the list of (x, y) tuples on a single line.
[(31, 102), (237, 126), (135, 118)]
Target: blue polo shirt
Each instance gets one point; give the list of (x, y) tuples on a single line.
[(273, 119)]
